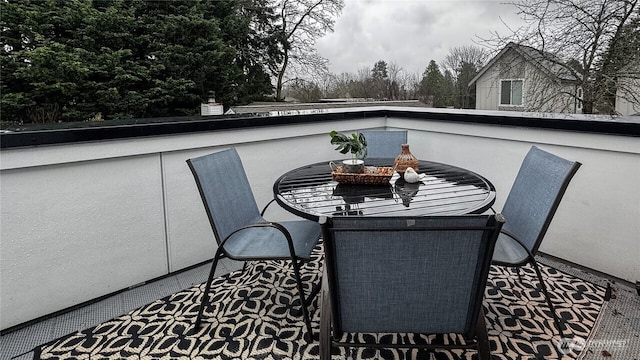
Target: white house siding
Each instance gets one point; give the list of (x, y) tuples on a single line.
[(626, 103), (540, 92), (545, 95), (487, 93), (625, 107)]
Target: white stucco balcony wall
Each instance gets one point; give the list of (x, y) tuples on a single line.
[(82, 220)]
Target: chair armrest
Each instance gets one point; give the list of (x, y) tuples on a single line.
[(266, 206)]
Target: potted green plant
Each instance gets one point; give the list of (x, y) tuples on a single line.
[(356, 144)]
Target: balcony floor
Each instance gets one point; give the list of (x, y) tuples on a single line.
[(617, 332)]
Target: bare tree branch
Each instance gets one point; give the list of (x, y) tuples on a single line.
[(586, 38), (302, 22)]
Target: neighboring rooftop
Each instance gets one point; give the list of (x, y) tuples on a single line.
[(293, 108), (547, 62)]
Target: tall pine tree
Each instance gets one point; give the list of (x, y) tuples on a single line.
[(77, 60)]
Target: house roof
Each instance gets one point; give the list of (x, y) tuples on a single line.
[(546, 62)]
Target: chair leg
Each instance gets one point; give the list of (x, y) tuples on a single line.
[(325, 326), (303, 302), (556, 319), (484, 347), (208, 287), (314, 291)]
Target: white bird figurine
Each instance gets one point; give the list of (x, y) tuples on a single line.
[(411, 176)]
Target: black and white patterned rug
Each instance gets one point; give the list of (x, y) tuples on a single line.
[(254, 314)]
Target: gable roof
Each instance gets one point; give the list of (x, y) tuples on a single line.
[(546, 62)]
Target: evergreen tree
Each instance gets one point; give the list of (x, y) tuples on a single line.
[(448, 91), (80, 59), (466, 96), (379, 81), (379, 71), (431, 86), (42, 69)]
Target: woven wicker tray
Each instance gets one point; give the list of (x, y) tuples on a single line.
[(373, 175)]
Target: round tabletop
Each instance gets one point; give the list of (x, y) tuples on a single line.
[(311, 192)]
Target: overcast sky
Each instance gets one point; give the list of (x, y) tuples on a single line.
[(409, 33)]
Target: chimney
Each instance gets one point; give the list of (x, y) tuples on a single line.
[(211, 107)]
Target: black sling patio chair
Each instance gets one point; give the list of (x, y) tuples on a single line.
[(532, 202), (384, 144), (416, 275), (239, 227)]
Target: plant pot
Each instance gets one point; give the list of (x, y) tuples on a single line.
[(353, 166)]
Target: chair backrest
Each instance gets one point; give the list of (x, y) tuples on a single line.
[(408, 274), (535, 195), (384, 144), (225, 191)]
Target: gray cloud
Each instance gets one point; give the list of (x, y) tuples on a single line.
[(409, 32)]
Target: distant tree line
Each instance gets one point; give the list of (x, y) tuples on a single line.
[(597, 42), (445, 85)]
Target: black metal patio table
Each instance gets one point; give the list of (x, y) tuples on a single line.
[(310, 192)]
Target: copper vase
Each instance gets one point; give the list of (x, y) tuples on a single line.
[(405, 160)]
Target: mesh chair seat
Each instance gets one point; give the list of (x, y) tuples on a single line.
[(270, 243), (509, 251)]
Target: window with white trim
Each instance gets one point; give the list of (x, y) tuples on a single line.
[(579, 98), (511, 92)]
